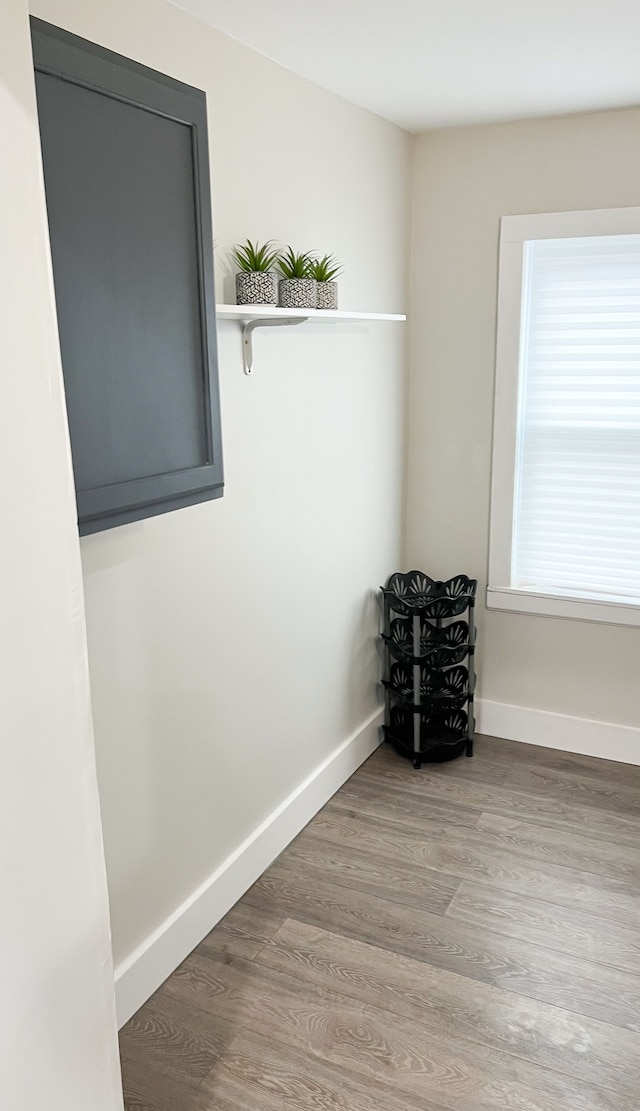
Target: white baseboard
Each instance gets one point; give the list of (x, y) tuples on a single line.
[(142, 972), (571, 734)]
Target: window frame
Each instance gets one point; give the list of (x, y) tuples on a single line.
[(515, 231)]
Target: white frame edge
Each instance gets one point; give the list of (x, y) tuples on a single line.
[(556, 605)]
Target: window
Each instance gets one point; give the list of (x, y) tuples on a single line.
[(565, 517)]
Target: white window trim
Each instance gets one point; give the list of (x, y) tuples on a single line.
[(514, 232)]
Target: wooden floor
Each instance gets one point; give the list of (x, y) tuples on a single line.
[(462, 937)]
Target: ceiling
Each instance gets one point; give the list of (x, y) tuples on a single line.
[(439, 63)]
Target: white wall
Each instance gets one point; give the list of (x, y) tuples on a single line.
[(232, 644), (57, 1020), (465, 180)]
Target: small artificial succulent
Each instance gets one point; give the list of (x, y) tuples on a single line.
[(251, 257), (325, 269), (295, 265)]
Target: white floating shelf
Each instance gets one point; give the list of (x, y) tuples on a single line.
[(266, 316), (269, 312)]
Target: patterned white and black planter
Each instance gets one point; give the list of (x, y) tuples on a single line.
[(327, 295), (297, 293), (255, 287)]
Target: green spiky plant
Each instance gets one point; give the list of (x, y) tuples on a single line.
[(255, 258), (292, 264), (325, 269)]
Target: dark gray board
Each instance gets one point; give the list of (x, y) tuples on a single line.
[(125, 159)]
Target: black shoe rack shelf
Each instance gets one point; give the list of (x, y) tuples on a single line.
[(429, 638)]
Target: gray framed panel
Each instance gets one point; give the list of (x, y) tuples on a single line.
[(126, 170)]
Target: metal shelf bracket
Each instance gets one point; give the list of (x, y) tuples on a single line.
[(249, 328)]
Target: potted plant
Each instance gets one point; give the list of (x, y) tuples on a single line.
[(256, 284), (297, 287), (325, 270)]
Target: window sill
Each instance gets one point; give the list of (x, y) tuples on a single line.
[(554, 605)]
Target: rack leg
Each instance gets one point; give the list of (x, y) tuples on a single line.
[(472, 720), (417, 719)]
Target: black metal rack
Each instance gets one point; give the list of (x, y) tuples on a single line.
[(429, 636)]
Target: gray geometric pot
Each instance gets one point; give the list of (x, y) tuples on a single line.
[(256, 287), (297, 293), (327, 295)]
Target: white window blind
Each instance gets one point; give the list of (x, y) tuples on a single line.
[(576, 528)]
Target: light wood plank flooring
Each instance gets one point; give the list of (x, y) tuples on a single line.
[(460, 938)]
